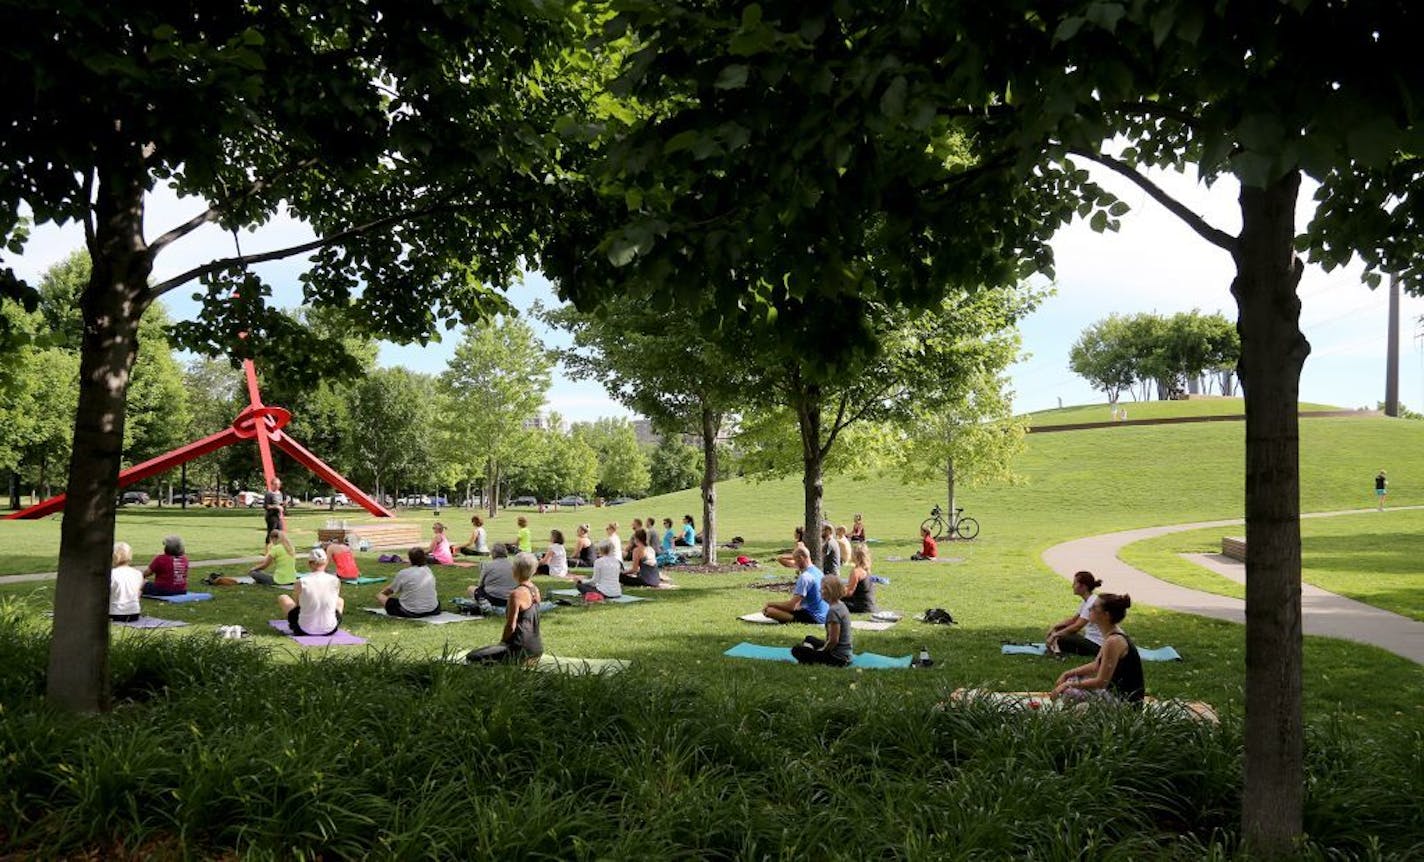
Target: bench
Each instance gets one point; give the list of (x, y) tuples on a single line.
[(398, 535), (1233, 547)]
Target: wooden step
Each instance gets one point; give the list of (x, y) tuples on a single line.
[(379, 536), (1233, 547)]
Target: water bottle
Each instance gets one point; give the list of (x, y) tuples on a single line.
[(923, 660)]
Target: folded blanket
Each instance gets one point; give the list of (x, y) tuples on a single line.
[(867, 660)]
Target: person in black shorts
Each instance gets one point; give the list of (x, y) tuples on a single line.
[(1116, 673), (272, 505)]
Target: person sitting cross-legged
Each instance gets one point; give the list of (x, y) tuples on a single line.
[(439, 550), (478, 546), (1116, 673), (928, 549), (582, 553), (860, 587), (1064, 637), (520, 642), (606, 570), (280, 557), (835, 650), (125, 585), (806, 604), (169, 570), (315, 605), (412, 593), (643, 563), (496, 579)]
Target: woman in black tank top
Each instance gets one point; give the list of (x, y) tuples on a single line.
[(1116, 673), (520, 641)]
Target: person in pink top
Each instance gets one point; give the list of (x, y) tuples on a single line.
[(440, 550), (169, 570)]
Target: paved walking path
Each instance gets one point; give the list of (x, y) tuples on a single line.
[(192, 566), (1322, 613)]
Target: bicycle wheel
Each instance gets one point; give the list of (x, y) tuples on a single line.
[(968, 528), (935, 526)]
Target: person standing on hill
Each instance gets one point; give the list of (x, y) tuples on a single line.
[(1381, 489), (272, 505)]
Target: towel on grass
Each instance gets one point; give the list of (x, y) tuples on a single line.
[(340, 638), (759, 618), (183, 598), (150, 623), (867, 660), (871, 625), (439, 619), (1165, 653)]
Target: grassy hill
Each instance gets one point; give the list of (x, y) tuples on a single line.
[(1213, 406)]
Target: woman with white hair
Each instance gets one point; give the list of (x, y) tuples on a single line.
[(169, 570), (125, 585), (605, 573)]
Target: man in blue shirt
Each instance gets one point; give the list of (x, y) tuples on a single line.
[(806, 605)]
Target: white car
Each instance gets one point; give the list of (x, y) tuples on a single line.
[(247, 498)]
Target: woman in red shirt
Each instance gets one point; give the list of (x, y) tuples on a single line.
[(169, 570), (928, 549)]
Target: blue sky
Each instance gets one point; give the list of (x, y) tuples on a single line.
[(1155, 264)]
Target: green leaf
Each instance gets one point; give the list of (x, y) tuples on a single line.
[(1106, 15), (1119, 209), (1373, 142), (1068, 28), (892, 101), (751, 16), (1099, 221), (681, 141), (733, 77)]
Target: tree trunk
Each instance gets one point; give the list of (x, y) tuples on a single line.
[(711, 424), (1273, 352), (492, 492), (14, 490), (949, 490), (808, 416), (111, 304)]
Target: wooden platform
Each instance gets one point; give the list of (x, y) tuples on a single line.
[(382, 535), (1233, 547)]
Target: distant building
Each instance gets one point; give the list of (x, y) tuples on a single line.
[(643, 430), (537, 422)]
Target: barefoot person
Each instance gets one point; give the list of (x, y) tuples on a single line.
[(278, 565), (860, 587), (1116, 673), (496, 579), (125, 585), (412, 592), (1065, 636), (835, 650), (520, 642), (806, 604), (315, 605)]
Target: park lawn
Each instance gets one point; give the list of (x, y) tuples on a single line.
[(1373, 557), (1214, 406)]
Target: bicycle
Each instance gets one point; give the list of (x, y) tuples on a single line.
[(956, 525)]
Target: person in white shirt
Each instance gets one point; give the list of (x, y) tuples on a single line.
[(1064, 637), (478, 546), (412, 592), (315, 605), (555, 561), (606, 569), (125, 585)]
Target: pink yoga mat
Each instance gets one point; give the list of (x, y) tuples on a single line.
[(341, 638)]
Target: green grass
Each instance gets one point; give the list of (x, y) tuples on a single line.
[(1074, 484), (1150, 410), (1376, 558)]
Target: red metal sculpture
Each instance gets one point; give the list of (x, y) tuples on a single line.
[(256, 421)]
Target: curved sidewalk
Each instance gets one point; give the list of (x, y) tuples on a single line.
[(1322, 613)]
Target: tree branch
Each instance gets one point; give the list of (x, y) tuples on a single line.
[(1215, 236), (212, 213), (322, 242)]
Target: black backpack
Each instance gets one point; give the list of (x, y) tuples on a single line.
[(939, 616)]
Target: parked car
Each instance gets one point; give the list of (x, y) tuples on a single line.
[(524, 502), (620, 501), (128, 497), (248, 498), (572, 500)]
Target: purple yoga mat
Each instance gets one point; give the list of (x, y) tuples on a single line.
[(341, 638), (151, 623)]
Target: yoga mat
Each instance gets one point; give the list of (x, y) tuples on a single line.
[(183, 599), (364, 580), (759, 618), (580, 666), (573, 594), (439, 619), (868, 660), (151, 623), (1165, 653), (1023, 649), (621, 600), (1195, 710), (341, 638), (871, 625), (935, 560), (887, 616), (880, 580)]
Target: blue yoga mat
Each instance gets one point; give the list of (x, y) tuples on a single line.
[(1023, 649), (183, 598), (770, 653), (880, 580)]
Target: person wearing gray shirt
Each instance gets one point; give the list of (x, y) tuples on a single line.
[(830, 552), (412, 592), (496, 578), (835, 650)]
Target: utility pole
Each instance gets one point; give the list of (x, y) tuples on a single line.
[(1391, 371)]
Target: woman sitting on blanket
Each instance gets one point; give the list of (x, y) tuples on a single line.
[(789, 559), (343, 559), (169, 570), (843, 542), (860, 589), (125, 585), (806, 604), (1064, 637), (643, 564), (606, 572), (555, 561), (928, 549), (315, 605), (412, 592), (583, 548), (439, 550), (857, 529), (1116, 674), (478, 545), (835, 650), (280, 557), (520, 641)]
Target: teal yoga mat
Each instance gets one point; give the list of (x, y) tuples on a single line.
[(867, 660), (364, 580), (1165, 653), (1023, 649)]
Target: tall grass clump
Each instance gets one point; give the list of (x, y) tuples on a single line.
[(215, 750)]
